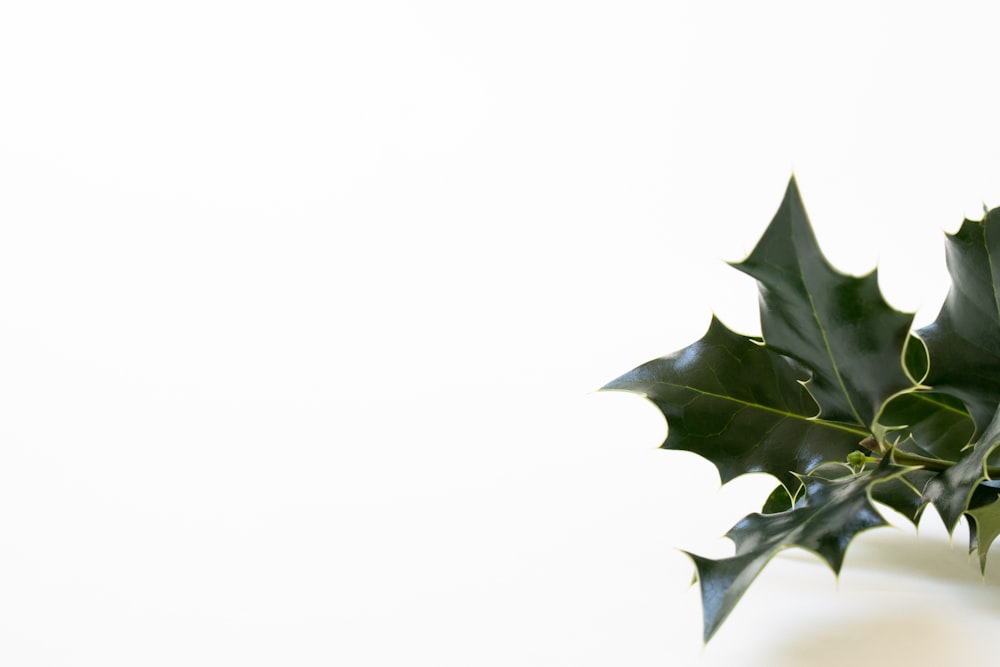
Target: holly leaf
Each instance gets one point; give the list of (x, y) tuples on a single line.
[(931, 424), (984, 524), (838, 375), (832, 512), (839, 326), (964, 340), (781, 499), (903, 493), (735, 402), (952, 491)]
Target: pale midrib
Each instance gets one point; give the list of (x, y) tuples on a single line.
[(940, 404), (767, 408), (826, 344)]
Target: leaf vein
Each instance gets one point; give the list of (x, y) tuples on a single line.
[(766, 408)]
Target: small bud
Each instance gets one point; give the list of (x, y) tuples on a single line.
[(856, 459)]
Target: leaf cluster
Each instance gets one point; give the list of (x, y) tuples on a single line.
[(841, 401)]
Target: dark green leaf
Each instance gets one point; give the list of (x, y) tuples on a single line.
[(741, 406), (839, 326), (929, 424), (984, 528), (952, 490), (832, 513), (903, 493), (916, 359), (780, 500), (964, 340), (840, 388)]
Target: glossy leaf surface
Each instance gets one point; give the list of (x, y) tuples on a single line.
[(904, 493), (741, 406), (839, 326), (839, 376), (928, 423), (952, 490), (831, 514), (964, 340)]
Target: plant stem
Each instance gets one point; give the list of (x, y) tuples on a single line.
[(906, 458), (938, 465)]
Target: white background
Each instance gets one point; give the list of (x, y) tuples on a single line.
[(303, 307)]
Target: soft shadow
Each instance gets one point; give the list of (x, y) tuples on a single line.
[(915, 601), (910, 637)]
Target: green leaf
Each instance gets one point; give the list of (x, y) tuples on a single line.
[(741, 406), (903, 493), (780, 500), (952, 490), (839, 377), (916, 359), (831, 514), (928, 423), (839, 326), (964, 340), (984, 528)]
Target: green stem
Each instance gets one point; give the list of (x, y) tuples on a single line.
[(937, 465), (926, 462)]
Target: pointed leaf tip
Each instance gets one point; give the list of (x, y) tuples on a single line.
[(793, 187), (838, 325), (833, 512), (964, 340), (740, 405), (952, 491)]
